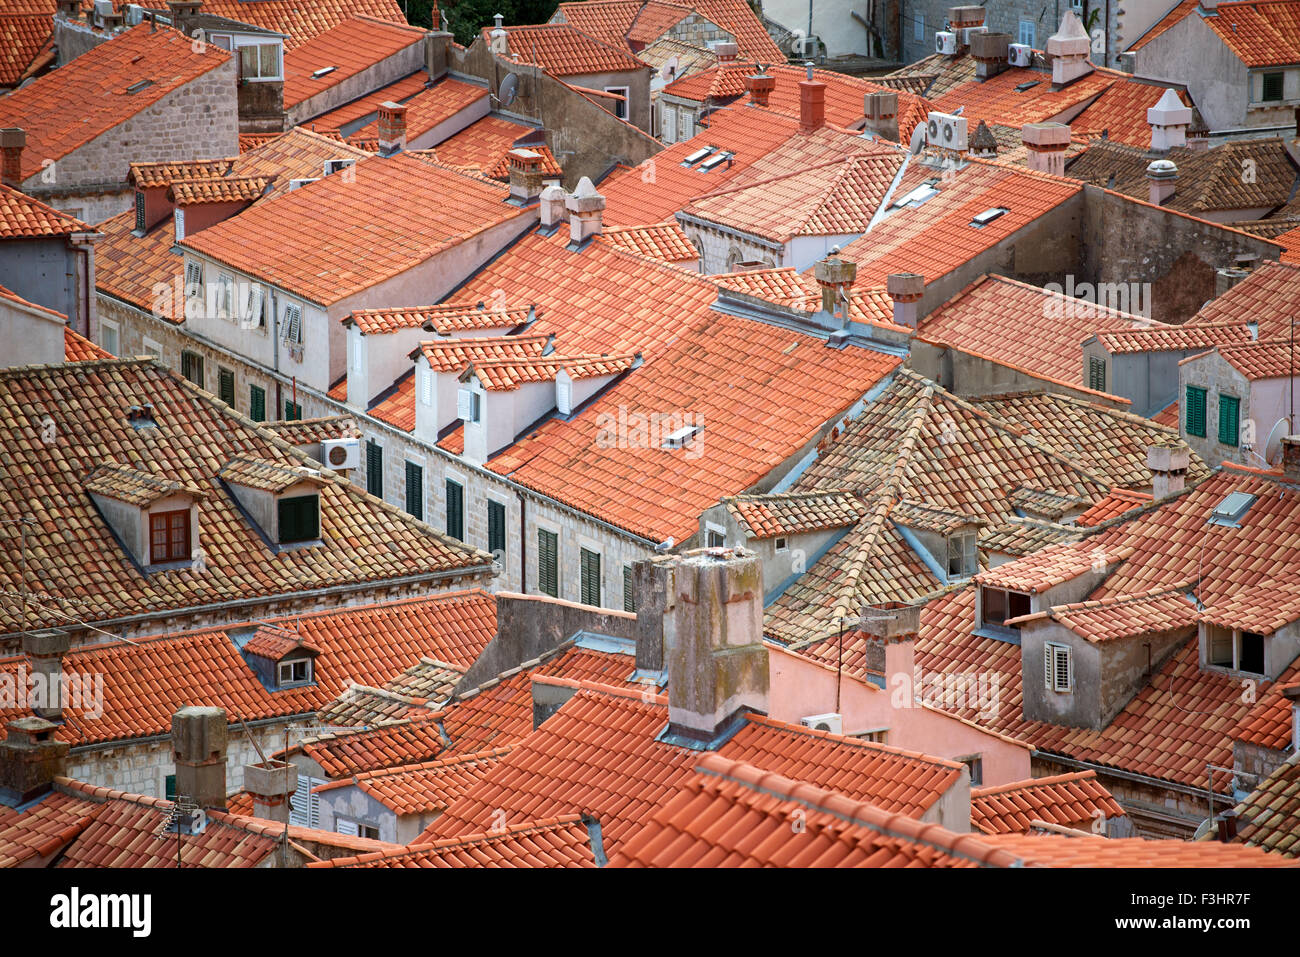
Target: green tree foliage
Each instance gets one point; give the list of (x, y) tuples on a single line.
[(467, 17)]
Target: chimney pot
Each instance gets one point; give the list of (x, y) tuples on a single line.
[(1162, 181), (725, 51), (199, 752), (760, 87), (46, 650), (525, 175), (392, 128), (30, 759), (1168, 465), (991, 53), (906, 289), (812, 104), (835, 276), (586, 210), (271, 784), (553, 211), (1046, 143), (1069, 48), (1169, 120), (881, 111), (1228, 825)]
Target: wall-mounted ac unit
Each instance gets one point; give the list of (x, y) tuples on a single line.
[(831, 721), (808, 48), (947, 131), (1020, 54), (341, 454), (945, 43)]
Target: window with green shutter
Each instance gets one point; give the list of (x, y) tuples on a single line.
[(548, 573), (374, 468), (169, 787), (1195, 411), (589, 566), (629, 597), (1273, 86), (292, 411), (299, 519), (1096, 373), (415, 490), (1229, 422), (139, 211), (496, 529), (226, 386), (455, 510), (257, 403)]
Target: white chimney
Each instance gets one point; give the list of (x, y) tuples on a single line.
[(1068, 49), (586, 209), (1168, 465), (1162, 180), (499, 40), (1046, 143), (906, 289), (553, 211), (1169, 120)]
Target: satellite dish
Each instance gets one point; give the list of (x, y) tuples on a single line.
[(1273, 447), (508, 90), (918, 139)]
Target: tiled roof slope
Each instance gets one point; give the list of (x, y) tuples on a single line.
[(43, 827), (350, 47), (564, 841), (333, 238), (1269, 723), (1270, 817), (1160, 612), (363, 539), (600, 752), (314, 430), (607, 20), (1159, 338), (620, 22), (423, 788), (1263, 359), (22, 217), (1175, 15), (563, 50), (300, 21), (1260, 32), (363, 107), (1069, 800), (1270, 296), (790, 513), (1056, 850), (87, 97), (430, 107), (664, 241), (1118, 502), (784, 286), (991, 315), (77, 348), (738, 19), (731, 814), (22, 35), (146, 681)]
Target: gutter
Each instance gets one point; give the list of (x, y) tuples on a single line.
[(1130, 776)]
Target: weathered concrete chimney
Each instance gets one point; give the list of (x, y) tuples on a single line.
[(906, 289), (30, 759), (717, 663), (1046, 143), (1162, 181), (725, 51), (812, 104), (892, 628), (760, 87), (553, 211), (271, 784), (983, 144), (1069, 48), (199, 751), (392, 128), (436, 47), (12, 142), (525, 176), (1291, 463), (499, 39), (652, 584), (990, 52), (586, 210), (881, 110), (183, 11), (1168, 465), (46, 649), (835, 276), (964, 18), (1169, 120)]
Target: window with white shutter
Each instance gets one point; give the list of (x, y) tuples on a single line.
[(463, 404), (426, 387), (304, 806), (253, 313), (563, 394), (292, 324), (1058, 668)]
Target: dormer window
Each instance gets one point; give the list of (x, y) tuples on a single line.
[(469, 404), (279, 656), (1234, 650), (1001, 605), (299, 519), (962, 554), (154, 518), (169, 536), (294, 672), (281, 500)]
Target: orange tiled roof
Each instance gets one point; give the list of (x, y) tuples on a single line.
[(601, 752), (1270, 296), (556, 842), (1176, 15), (738, 19), (231, 189), (607, 20), (354, 45), (77, 348), (454, 355), (22, 36), (146, 681), (295, 154), (665, 241), (1118, 502), (299, 21), (484, 143), (22, 217), (399, 91), (1020, 536), (732, 814), (1270, 817), (43, 827), (655, 19), (153, 175), (563, 50), (333, 238), (1119, 341), (89, 96), (1260, 32), (314, 430), (1045, 569), (784, 286), (1158, 612), (1068, 800), (1290, 241), (125, 484), (423, 788), (1264, 359), (445, 319), (427, 108), (1269, 723), (508, 374), (1056, 850), (789, 513), (275, 643)]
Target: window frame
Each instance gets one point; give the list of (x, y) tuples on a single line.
[(259, 45), (305, 503), (1052, 652), (172, 550), (256, 403), (415, 490), (624, 104), (374, 468), (226, 385), (967, 556), (455, 507), (1006, 593), (191, 363), (1265, 78), (496, 515), (1233, 434), (308, 673), (1195, 401), (1027, 33)]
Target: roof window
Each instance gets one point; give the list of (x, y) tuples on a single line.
[(323, 71), (916, 196), (983, 219), (681, 437), (1232, 509), (713, 162), (699, 155), (1029, 85), (137, 87)]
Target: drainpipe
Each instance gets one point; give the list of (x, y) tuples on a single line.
[(523, 546)]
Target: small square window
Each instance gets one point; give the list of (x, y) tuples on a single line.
[(1273, 87), (976, 765), (295, 672), (782, 544)]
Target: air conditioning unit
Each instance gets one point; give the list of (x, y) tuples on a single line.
[(134, 14), (947, 131), (1020, 54), (831, 721), (341, 454), (945, 42), (808, 48)]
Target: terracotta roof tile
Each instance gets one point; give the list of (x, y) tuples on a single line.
[(558, 842), (789, 513), (665, 241), (1270, 817), (1159, 612), (1055, 850), (43, 827), (366, 107), (89, 96), (446, 319), (22, 217), (314, 430), (1161, 338), (428, 108), (1259, 32), (1118, 502), (153, 175), (134, 487), (1176, 15), (77, 348), (562, 50), (300, 22), (22, 37), (454, 355), (508, 374), (354, 45), (232, 189), (424, 788), (1269, 723), (1069, 800), (738, 19), (1270, 296), (1020, 536), (1264, 359), (484, 143)]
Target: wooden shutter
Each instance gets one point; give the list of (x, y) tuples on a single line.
[(292, 324), (192, 367), (1096, 373), (1049, 672), (253, 314), (589, 566), (1064, 680), (463, 410), (1229, 421), (548, 581), (496, 528), (345, 827), (226, 386), (1195, 411), (299, 518), (415, 490), (139, 211), (374, 469), (292, 411), (455, 510), (629, 596), (257, 403), (304, 807)]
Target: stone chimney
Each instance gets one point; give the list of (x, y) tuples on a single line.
[(881, 110), (199, 751), (990, 52), (553, 212), (812, 104), (892, 629), (962, 19), (525, 176), (271, 784), (1291, 462), (46, 650), (499, 39), (1162, 180), (1068, 49), (1169, 120), (1168, 465), (725, 51), (392, 128), (12, 142), (760, 87), (586, 209), (835, 276), (1046, 143), (717, 663), (906, 289), (983, 145), (68, 9), (182, 12), (30, 759), (652, 584)]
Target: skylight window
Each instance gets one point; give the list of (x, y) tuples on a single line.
[(709, 165), (1232, 509), (916, 196), (699, 155), (1027, 86), (323, 71), (137, 87), (983, 219), (682, 437)]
